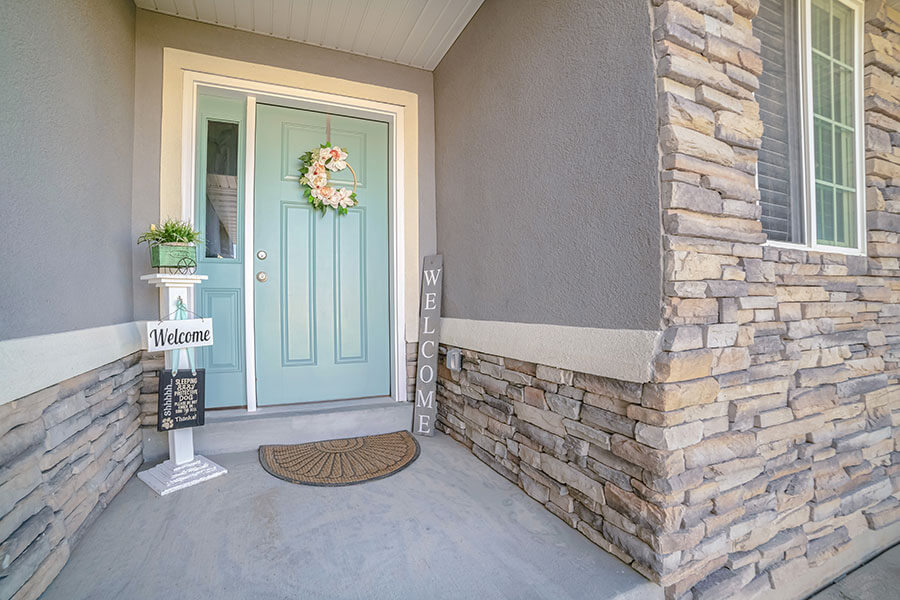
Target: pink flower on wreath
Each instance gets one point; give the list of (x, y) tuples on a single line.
[(324, 194), (343, 198), (337, 159)]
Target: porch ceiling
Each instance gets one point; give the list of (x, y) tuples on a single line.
[(411, 32)]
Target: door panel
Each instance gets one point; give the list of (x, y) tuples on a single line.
[(298, 299), (323, 313), (219, 214), (227, 354), (350, 286)]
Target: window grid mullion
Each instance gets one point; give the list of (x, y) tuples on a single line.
[(836, 61)]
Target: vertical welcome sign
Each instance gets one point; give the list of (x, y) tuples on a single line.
[(425, 412)]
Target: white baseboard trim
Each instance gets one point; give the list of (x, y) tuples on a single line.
[(624, 354), (30, 364)]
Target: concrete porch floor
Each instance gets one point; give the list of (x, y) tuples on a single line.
[(445, 527)]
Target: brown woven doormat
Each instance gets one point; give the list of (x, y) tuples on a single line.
[(341, 462)]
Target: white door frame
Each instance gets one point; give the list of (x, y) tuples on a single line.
[(255, 91)]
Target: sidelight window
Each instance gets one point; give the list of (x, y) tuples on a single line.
[(222, 214)]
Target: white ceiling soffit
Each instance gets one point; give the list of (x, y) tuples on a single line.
[(410, 32)]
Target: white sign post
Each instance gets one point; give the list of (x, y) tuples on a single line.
[(183, 468)]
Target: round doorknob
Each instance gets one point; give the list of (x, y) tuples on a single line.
[(261, 255), (261, 276)]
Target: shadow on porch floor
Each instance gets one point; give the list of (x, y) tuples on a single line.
[(445, 527)]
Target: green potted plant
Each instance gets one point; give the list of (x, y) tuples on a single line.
[(172, 244)]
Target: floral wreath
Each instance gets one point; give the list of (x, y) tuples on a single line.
[(315, 166)]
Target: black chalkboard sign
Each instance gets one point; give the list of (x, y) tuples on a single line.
[(181, 399)]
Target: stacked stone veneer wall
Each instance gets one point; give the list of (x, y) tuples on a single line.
[(412, 357), (569, 440), (767, 445), (152, 363), (65, 452)]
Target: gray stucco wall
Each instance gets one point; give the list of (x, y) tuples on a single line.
[(155, 32), (66, 107), (547, 179)]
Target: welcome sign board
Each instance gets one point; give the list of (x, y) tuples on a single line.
[(425, 410), (173, 335)]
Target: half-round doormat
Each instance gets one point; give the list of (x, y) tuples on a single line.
[(341, 462)]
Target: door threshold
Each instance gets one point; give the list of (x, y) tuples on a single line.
[(236, 430), (304, 408)]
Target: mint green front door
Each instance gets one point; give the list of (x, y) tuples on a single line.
[(321, 283)]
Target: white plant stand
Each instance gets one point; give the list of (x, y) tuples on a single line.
[(183, 468)]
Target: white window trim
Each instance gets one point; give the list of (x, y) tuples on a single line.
[(805, 82)]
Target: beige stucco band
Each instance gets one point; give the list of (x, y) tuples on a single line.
[(30, 364), (625, 354), (351, 93)]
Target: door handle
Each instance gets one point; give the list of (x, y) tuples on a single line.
[(262, 277)]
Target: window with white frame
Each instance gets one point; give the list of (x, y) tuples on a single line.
[(811, 163)]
